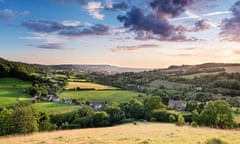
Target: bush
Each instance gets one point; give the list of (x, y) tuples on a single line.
[(180, 120), (172, 118), (194, 124), (215, 141), (161, 115)]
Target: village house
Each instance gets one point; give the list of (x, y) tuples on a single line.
[(96, 105), (176, 105), (68, 101)]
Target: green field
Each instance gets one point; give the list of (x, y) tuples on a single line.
[(100, 95), (167, 84), (54, 108), (12, 91), (198, 75), (142, 133)]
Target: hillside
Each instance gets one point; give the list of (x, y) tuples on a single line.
[(142, 133)]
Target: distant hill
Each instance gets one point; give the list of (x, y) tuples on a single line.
[(99, 68)]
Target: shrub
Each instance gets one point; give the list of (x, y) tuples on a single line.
[(180, 120), (215, 141), (194, 124), (172, 118)]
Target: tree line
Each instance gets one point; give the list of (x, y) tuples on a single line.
[(23, 119)]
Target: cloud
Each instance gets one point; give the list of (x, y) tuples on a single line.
[(44, 26), (98, 29), (71, 23), (52, 46), (81, 2), (118, 6), (65, 28), (94, 10), (43, 37), (150, 26), (201, 25), (7, 14), (231, 26), (134, 48), (170, 8), (183, 55)]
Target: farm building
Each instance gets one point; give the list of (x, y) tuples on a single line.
[(176, 105), (96, 105)]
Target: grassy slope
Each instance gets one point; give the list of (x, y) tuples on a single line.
[(54, 108), (167, 84), (131, 134), (72, 85), (9, 93), (101, 95)]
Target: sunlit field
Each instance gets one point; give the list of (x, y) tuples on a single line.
[(87, 85), (142, 133), (12, 91)]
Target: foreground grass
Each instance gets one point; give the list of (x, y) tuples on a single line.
[(12, 91), (149, 133), (72, 85), (54, 108), (100, 95)]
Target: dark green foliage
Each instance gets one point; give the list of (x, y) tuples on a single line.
[(154, 102), (115, 113), (24, 120), (100, 119), (133, 109), (215, 141), (217, 114), (44, 123), (161, 115), (6, 118), (195, 116)]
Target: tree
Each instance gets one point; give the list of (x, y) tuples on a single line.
[(134, 109), (115, 113), (154, 102), (217, 114), (100, 119), (24, 120), (6, 117)]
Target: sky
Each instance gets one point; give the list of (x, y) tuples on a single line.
[(127, 33)]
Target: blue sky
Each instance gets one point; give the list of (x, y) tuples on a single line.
[(146, 33)]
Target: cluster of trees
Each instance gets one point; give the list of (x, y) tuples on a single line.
[(19, 70), (23, 119)]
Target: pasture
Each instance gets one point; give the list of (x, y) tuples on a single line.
[(168, 84), (87, 85), (54, 108), (192, 76), (142, 133), (100, 95), (12, 91)]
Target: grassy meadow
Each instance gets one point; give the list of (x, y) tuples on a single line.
[(12, 91), (168, 84), (54, 108), (142, 133), (100, 95), (87, 85)]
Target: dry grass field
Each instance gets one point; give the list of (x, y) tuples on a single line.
[(142, 133), (84, 85)]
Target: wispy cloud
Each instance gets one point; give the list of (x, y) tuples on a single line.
[(52, 46), (94, 10), (182, 55), (8, 14), (134, 48), (194, 16), (231, 26), (66, 28)]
